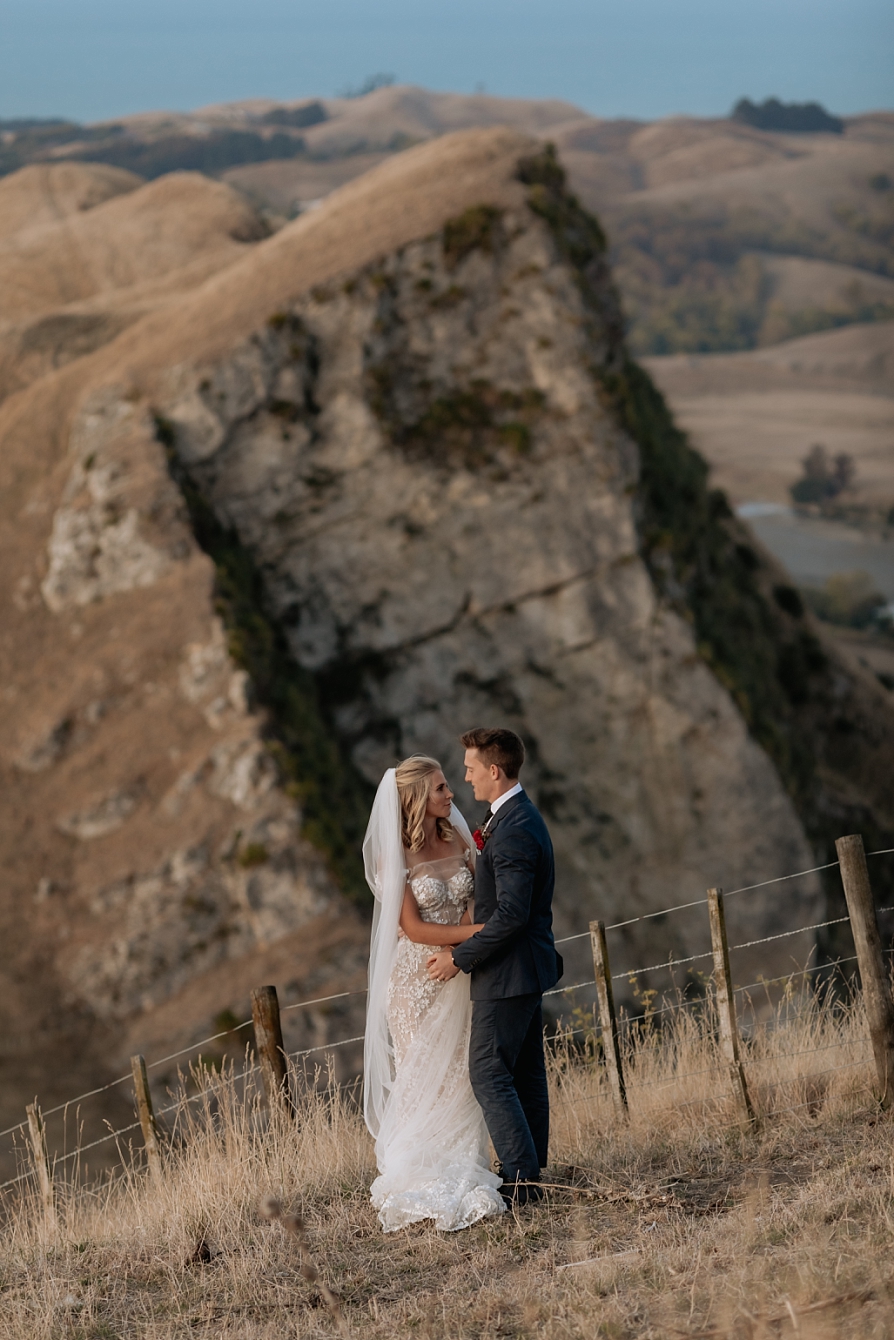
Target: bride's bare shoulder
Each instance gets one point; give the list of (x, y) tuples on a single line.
[(453, 849), (456, 847)]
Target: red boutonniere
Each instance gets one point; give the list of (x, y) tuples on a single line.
[(479, 839)]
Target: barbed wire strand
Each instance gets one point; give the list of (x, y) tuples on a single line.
[(817, 926), (693, 958), (689, 1074), (320, 1000), (246, 1023), (699, 902), (646, 916), (747, 888), (803, 1051)]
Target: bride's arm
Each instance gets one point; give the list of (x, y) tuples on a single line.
[(430, 932)]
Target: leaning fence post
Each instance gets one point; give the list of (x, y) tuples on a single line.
[(269, 1044), (610, 1044), (726, 1007), (42, 1163), (151, 1134), (868, 944)]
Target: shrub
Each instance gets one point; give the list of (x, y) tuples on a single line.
[(788, 599), (847, 598), (308, 114), (823, 478), (797, 118), (253, 854), (475, 229)]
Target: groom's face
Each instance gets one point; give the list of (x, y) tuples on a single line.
[(484, 779)]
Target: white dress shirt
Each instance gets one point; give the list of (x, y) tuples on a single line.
[(507, 795)]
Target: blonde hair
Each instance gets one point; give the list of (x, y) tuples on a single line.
[(413, 778)]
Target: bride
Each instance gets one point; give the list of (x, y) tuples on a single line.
[(431, 1140)]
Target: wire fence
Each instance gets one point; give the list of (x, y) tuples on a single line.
[(597, 1031)]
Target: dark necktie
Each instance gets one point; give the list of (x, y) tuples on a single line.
[(487, 818)]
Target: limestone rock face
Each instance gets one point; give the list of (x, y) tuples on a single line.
[(121, 523), (443, 511)]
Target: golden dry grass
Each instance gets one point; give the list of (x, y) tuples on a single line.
[(672, 1224)]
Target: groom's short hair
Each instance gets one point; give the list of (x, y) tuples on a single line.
[(497, 745)]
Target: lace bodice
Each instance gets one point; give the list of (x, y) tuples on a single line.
[(442, 889)]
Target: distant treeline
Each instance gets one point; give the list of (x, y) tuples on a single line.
[(28, 140), (308, 114), (798, 118), (188, 153)]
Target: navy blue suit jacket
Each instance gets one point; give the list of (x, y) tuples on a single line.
[(515, 954)]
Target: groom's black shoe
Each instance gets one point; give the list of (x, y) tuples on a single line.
[(517, 1194)]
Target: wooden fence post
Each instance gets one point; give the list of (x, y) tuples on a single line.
[(151, 1133), (868, 944), (610, 1044), (726, 1007), (269, 1045), (42, 1163)]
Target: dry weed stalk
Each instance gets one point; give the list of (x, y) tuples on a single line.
[(293, 1224)]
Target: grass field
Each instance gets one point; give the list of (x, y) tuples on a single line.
[(673, 1223)]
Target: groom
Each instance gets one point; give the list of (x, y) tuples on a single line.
[(512, 961)]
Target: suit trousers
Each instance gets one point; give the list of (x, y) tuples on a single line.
[(508, 1074)]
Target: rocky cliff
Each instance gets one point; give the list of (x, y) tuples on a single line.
[(385, 475)]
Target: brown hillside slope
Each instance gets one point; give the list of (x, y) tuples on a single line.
[(72, 282), (123, 241), (47, 192), (755, 415), (713, 225), (423, 510)]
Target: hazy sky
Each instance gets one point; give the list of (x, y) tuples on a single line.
[(93, 59)]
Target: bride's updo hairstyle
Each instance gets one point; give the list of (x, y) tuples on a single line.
[(413, 778)]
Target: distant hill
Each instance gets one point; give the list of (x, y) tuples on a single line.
[(711, 220)]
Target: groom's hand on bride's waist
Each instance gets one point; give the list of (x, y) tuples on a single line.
[(441, 966)]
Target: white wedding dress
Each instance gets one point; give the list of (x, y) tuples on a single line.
[(431, 1140)]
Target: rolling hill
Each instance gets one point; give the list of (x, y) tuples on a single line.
[(724, 236)]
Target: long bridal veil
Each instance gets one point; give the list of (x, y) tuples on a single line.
[(431, 1140), (385, 864)]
